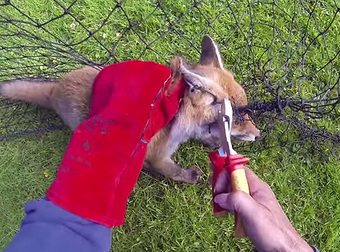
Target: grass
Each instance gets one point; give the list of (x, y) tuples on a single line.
[(254, 36)]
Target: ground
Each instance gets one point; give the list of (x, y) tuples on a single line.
[(163, 215)]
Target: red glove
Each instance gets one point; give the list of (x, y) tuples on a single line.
[(106, 153)]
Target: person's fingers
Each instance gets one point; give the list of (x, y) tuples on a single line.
[(239, 202), (222, 181), (257, 185), (212, 167), (223, 201), (251, 176), (222, 184)]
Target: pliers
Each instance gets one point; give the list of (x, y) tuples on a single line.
[(226, 159)]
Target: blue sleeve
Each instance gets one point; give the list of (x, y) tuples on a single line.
[(47, 227)]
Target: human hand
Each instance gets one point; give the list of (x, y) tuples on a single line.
[(264, 221)]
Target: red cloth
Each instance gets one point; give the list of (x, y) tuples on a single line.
[(106, 153)]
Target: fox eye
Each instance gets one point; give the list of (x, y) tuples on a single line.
[(214, 102)]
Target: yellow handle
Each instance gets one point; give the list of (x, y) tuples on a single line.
[(239, 183)]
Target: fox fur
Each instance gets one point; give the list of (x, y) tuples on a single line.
[(70, 98)]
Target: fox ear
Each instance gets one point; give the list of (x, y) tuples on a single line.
[(176, 75), (193, 79), (197, 82), (210, 54), (175, 64)]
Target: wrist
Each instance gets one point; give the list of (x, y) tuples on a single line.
[(305, 247), (298, 244)]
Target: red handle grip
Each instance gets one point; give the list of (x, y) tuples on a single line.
[(219, 163), (234, 165)]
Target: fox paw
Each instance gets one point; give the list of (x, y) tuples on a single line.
[(195, 175), (191, 175)]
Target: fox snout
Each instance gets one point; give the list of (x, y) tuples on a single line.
[(245, 132)]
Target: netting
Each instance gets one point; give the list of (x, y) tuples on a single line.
[(284, 52)]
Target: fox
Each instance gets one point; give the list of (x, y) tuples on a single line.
[(207, 83)]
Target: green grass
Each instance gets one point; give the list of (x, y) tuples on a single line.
[(163, 215)]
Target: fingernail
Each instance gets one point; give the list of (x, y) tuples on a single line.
[(221, 198), (222, 201)]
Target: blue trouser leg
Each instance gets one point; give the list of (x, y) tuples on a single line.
[(47, 227)]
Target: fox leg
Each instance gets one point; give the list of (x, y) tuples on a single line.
[(70, 114), (169, 169), (72, 120)]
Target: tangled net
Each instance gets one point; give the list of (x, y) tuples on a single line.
[(285, 54)]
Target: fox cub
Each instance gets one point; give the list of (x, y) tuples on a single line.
[(207, 83)]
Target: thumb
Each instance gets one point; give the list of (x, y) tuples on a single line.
[(239, 202)]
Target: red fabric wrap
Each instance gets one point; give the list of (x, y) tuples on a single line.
[(106, 153)]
